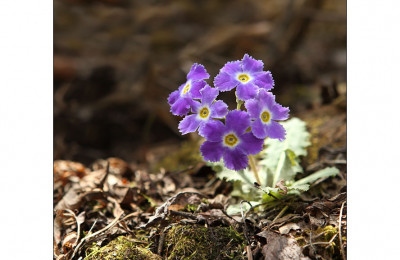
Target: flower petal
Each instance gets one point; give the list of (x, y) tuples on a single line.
[(264, 80), (235, 159), (195, 106), (196, 87), (276, 131), (188, 124), (259, 129), (211, 151), (267, 99), (181, 107), (237, 121), (279, 112), (219, 109), (225, 82), (173, 97), (253, 108), (208, 94), (250, 144), (246, 91), (212, 131), (251, 64), (197, 72), (232, 67)]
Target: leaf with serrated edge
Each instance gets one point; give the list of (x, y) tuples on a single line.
[(277, 153), (327, 172)]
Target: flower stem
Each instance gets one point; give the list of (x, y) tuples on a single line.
[(254, 168), (238, 102)]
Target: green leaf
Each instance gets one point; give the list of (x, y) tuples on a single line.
[(223, 173), (300, 187), (282, 158), (327, 172), (236, 208)]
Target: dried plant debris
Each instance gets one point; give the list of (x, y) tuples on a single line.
[(280, 247), (112, 209)]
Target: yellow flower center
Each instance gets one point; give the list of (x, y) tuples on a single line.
[(230, 140), (265, 116), (186, 88), (204, 112), (243, 78)]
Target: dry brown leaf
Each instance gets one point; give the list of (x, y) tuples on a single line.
[(280, 247), (286, 228), (69, 241)]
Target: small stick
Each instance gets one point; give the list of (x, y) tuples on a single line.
[(183, 214), (77, 224), (103, 180), (333, 238), (311, 243), (244, 221), (280, 214), (96, 233), (91, 228), (249, 253), (340, 232), (226, 214), (254, 168), (316, 243), (161, 243)]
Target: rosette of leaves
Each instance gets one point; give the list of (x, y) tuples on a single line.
[(278, 165)]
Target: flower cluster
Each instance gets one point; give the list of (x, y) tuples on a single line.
[(243, 131)]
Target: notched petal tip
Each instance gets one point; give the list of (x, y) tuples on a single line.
[(211, 151), (197, 72), (189, 124), (235, 160)]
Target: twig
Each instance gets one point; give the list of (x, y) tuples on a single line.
[(103, 180), (226, 214), (77, 224), (244, 221), (249, 253), (340, 232), (280, 214), (96, 233), (161, 243), (316, 243), (183, 214), (254, 168), (311, 243), (333, 238), (90, 230)]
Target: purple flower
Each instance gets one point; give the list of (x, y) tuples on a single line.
[(230, 141), (266, 111), (247, 75), (204, 111), (181, 100)]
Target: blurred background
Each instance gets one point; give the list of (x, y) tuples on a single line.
[(116, 62)]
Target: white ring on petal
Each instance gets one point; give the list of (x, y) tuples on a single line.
[(233, 136), (270, 116), (186, 88), (200, 117), (246, 75)]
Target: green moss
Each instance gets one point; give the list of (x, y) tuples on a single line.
[(329, 232), (199, 242), (118, 249), (191, 207)]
